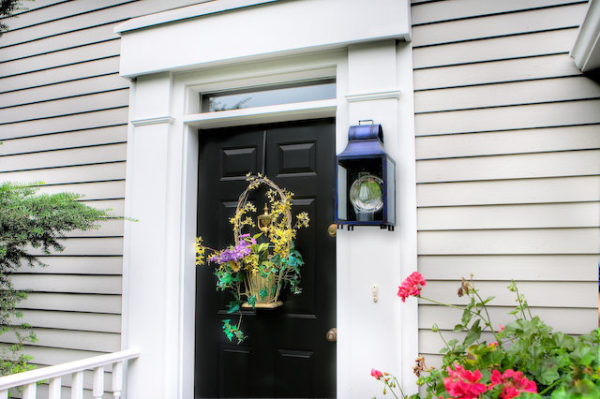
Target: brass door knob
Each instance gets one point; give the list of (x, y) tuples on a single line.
[(331, 335), (332, 230)]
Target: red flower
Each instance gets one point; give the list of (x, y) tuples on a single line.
[(501, 327), (463, 383), (513, 382), (376, 374), (411, 286), (493, 345)]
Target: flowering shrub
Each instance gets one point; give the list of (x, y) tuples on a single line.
[(527, 359)]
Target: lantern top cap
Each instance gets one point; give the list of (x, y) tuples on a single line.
[(364, 140)]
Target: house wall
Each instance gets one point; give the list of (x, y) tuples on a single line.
[(507, 147), (63, 121)]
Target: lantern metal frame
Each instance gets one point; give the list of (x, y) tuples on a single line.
[(365, 153)]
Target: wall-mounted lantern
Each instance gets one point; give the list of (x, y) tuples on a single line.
[(366, 180)]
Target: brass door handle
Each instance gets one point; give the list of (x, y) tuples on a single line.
[(332, 230), (331, 335)]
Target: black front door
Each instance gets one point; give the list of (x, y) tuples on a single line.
[(285, 354)]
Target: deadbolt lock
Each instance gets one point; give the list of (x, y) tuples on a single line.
[(331, 335)]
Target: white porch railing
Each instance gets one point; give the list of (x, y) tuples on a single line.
[(53, 374)]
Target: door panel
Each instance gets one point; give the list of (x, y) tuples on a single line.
[(285, 353)]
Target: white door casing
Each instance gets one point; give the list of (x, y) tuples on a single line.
[(374, 81)]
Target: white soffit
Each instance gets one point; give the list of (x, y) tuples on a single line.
[(586, 50), (223, 31)]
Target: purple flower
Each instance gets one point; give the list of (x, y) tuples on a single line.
[(235, 254)]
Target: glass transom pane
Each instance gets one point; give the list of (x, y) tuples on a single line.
[(273, 95)]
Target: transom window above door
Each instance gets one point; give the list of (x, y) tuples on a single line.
[(323, 89)]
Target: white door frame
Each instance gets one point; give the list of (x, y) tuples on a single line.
[(374, 81)]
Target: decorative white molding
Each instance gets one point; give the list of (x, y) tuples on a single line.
[(267, 114), (376, 95), (586, 50), (152, 121)]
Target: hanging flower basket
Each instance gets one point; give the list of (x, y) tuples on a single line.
[(265, 285), (263, 259)]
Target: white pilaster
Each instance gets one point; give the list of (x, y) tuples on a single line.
[(378, 334), (152, 256)]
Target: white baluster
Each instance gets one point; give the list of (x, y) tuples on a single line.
[(117, 379), (77, 385), (98, 382), (30, 391), (54, 389), (4, 394)]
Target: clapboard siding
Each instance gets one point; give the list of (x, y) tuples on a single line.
[(572, 294), (90, 191), (542, 67), (511, 117), (504, 94), (89, 303), (460, 9), (72, 320), (515, 166), (77, 139), (85, 265), (507, 47), (509, 242), (72, 88), (82, 70), (89, 52), (59, 12), (61, 42), (498, 25), (63, 126), (569, 320), (523, 191), (586, 214), (567, 138), (508, 172), (67, 175), (54, 21), (76, 339), (69, 123), (65, 106), (520, 267), (54, 158)]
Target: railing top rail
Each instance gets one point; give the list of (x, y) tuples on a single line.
[(28, 377)]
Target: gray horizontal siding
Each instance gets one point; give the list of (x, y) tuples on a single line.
[(63, 126), (507, 146)]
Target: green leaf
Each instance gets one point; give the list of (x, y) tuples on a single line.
[(263, 293), (474, 334), (252, 300), (466, 316), (233, 307)]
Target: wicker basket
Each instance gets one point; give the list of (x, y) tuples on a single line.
[(255, 282)]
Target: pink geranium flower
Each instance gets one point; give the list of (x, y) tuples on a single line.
[(411, 286), (376, 374), (463, 383), (513, 382)]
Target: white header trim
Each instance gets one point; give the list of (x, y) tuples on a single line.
[(274, 29), (268, 114)]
